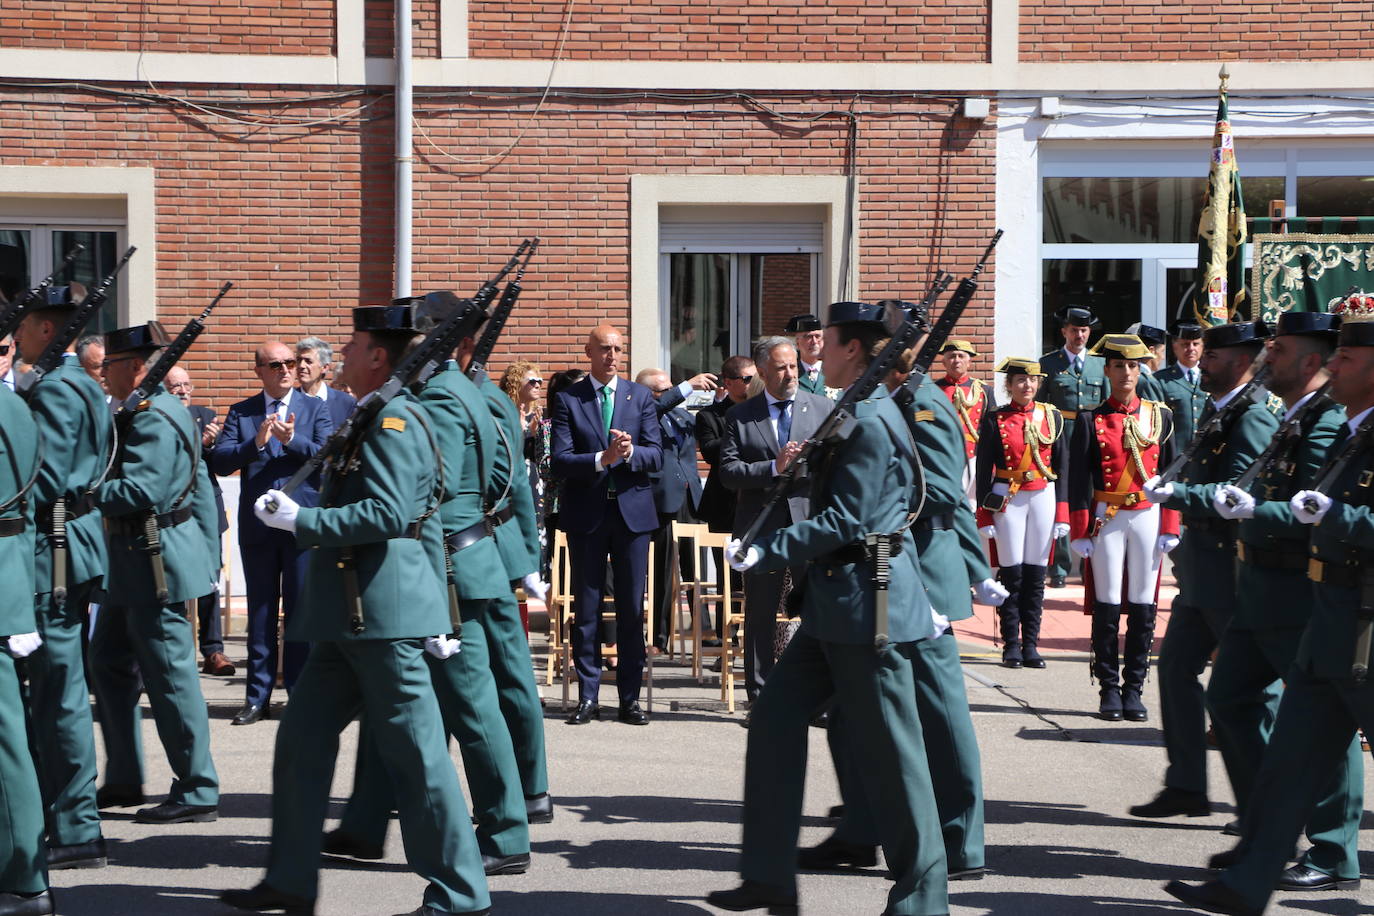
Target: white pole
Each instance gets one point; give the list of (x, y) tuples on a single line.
[(404, 147)]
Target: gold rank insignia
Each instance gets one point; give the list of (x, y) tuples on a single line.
[(395, 423), (925, 416), (144, 404)]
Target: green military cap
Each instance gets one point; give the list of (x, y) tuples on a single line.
[(1121, 346), (1016, 365), (962, 346)]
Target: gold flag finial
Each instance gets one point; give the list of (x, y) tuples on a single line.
[(1225, 75)]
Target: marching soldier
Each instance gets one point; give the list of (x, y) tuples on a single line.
[(1327, 694), (864, 487), (69, 408), (23, 866), (1121, 536), (968, 395), (1022, 504), (1205, 564), (373, 600), (163, 552), (810, 373), (1074, 383), (1273, 599), (1181, 383)]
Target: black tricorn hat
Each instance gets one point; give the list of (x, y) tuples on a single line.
[(800, 324), (1308, 324), (1356, 333), (854, 313), (141, 338), (1149, 335), (433, 309), (1076, 315), (61, 298), (1187, 329), (1235, 334), (917, 313), (384, 319)]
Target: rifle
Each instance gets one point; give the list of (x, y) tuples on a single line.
[(950, 316), (1287, 429), (51, 357), (497, 321), (1215, 429), (14, 312)]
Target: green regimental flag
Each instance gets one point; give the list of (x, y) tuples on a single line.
[(1219, 294), (1311, 267)]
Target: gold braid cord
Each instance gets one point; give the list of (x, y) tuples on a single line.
[(1034, 442), (962, 406), (1135, 439)]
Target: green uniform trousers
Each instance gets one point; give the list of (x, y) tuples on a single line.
[(467, 696), (1316, 723), (513, 668), (60, 713), (1243, 703), (389, 682), (23, 856), (951, 752), (157, 643), (877, 694)]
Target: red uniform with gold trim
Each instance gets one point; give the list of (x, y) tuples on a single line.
[(1003, 454), (970, 400)]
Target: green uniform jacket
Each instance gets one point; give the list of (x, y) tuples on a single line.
[(1282, 598), (864, 486), (20, 433), (467, 440), (1202, 562), (1069, 390), (1149, 387), (371, 509), (950, 559), (69, 408), (518, 539), (159, 461), (1184, 398), (813, 386)]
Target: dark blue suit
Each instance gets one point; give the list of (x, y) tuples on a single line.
[(207, 606), (602, 522), (338, 405), (677, 494), (273, 566)]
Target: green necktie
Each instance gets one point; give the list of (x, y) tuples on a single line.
[(607, 408)]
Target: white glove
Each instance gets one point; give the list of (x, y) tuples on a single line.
[(990, 592), (738, 563), (1156, 491), (1060, 530), (1166, 542), (988, 531), (283, 516), (22, 645), (535, 587), (1320, 502), (1233, 502), (443, 646), (1082, 546)]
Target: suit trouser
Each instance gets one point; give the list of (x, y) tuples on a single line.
[(156, 642), (878, 697), (629, 553), (1316, 724), (762, 594), (1192, 636), (60, 718), (471, 713), (389, 682), (951, 753), (1243, 702), (273, 572), (211, 634), (23, 856)]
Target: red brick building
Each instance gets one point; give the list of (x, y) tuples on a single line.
[(696, 171)]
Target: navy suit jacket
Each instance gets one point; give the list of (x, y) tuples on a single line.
[(204, 416), (338, 406), (677, 479), (237, 450), (578, 433)]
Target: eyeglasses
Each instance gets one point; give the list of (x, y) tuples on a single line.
[(536, 382), (741, 378), (4, 349), (278, 365), (106, 363)]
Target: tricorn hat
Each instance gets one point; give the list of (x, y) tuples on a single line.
[(385, 319), (854, 313), (433, 309), (800, 324), (1077, 315), (1235, 334), (1149, 335), (141, 338), (1186, 329), (917, 313), (61, 298), (962, 346), (1016, 365), (1121, 346), (1307, 324)]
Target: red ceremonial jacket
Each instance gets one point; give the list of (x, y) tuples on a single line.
[(974, 397), (1099, 460), (1002, 454)]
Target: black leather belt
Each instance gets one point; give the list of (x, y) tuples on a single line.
[(9, 527), (942, 522), (132, 525), (1288, 555), (858, 553), (468, 536), (1328, 572), (75, 509), (503, 515)]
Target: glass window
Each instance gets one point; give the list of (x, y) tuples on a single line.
[(90, 268), (698, 313), (15, 250), (780, 287), (1137, 209), (1335, 195), (1108, 286)]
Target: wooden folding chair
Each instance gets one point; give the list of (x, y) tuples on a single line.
[(559, 604), (729, 616), (685, 536), (608, 612)]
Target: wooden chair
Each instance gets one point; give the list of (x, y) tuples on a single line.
[(608, 613), (729, 616), (559, 605), (685, 537)]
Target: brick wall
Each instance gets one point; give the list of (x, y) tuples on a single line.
[(191, 26), (1073, 30), (379, 28), (735, 30), (302, 223)]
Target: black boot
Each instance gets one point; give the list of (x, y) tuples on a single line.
[(1009, 614), (1106, 623), (1140, 637), (1032, 607)]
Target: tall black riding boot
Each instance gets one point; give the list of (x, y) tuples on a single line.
[(1009, 615), (1140, 637), (1106, 624), (1032, 608)]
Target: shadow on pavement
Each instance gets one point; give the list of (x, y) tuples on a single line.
[(1020, 904), (1072, 862), (1014, 812), (568, 903), (128, 898), (611, 809), (640, 855)]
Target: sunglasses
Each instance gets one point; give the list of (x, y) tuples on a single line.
[(536, 382), (741, 378), (278, 365), (4, 349), (106, 363)]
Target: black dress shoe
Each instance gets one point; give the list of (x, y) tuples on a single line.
[(836, 812), (1172, 803), (1224, 860), (821, 721), (1058, 581), (172, 813), (1030, 656), (1132, 709), (1109, 704), (1214, 897), (752, 895), (338, 843), (427, 910), (968, 874), (267, 899), (586, 711), (114, 795), (252, 712), (1232, 828), (1306, 878), (831, 854), (78, 855), (539, 809), (20, 905), (517, 864), (631, 714)]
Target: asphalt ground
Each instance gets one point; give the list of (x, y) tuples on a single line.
[(647, 819)]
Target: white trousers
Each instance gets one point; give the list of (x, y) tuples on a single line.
[(1129, 543), (1025, 528)]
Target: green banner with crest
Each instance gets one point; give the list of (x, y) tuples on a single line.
[(1309, 272)]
